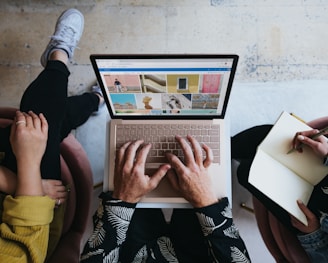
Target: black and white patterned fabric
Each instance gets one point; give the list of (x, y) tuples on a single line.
[(109, 242)]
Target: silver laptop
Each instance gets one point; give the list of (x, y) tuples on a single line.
[(154, 98)]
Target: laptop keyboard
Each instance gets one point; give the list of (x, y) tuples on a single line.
[(162, 138)]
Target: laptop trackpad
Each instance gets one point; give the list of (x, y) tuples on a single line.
[(164, 189)]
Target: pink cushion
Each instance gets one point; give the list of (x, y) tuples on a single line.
[(81, 181), (71, 200), (263, 222), (282, 244)]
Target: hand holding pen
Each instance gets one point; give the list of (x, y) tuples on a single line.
[(312, 138)]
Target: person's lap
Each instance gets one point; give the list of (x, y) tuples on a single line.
[(187, 236), (47, 94), (243, 148), (147, 225)]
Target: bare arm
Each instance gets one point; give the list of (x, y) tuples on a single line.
[(8, 181), (26, 217), (28, 139)]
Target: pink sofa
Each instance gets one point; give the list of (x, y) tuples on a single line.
[(282, 244), (76, 172)]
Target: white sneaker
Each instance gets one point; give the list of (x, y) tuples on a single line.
[(68, 31)]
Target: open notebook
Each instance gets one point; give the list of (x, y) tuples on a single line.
[(286, 178), (155, 97)]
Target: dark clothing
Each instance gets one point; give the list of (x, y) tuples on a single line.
[(125, 234), (243, 149), (47, 94)]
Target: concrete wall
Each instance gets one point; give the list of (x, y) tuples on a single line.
[(277, 40)]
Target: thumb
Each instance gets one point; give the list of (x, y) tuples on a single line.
[(307, 212), (308, 141), (159, 174), (172, 177)]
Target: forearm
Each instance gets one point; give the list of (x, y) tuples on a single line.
[(27, 182), (111, 224), (8, 181), (223, 239), (28, 179)]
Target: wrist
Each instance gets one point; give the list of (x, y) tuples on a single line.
[(28, 179), (204, 202), (28, 169), (125, 198), (28, 163)]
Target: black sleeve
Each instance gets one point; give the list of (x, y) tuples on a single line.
[(221, 234), (111, 223)]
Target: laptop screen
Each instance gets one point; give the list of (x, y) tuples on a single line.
[(152, 86)]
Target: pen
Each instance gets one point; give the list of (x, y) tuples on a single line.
[(295, 116), (321, 132), (243, 205)]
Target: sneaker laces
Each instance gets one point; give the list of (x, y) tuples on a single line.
[(65, 36)]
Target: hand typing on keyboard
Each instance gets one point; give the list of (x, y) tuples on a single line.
[(189, 177), (130, 181)]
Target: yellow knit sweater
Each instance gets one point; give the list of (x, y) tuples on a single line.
[(24, 229)]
